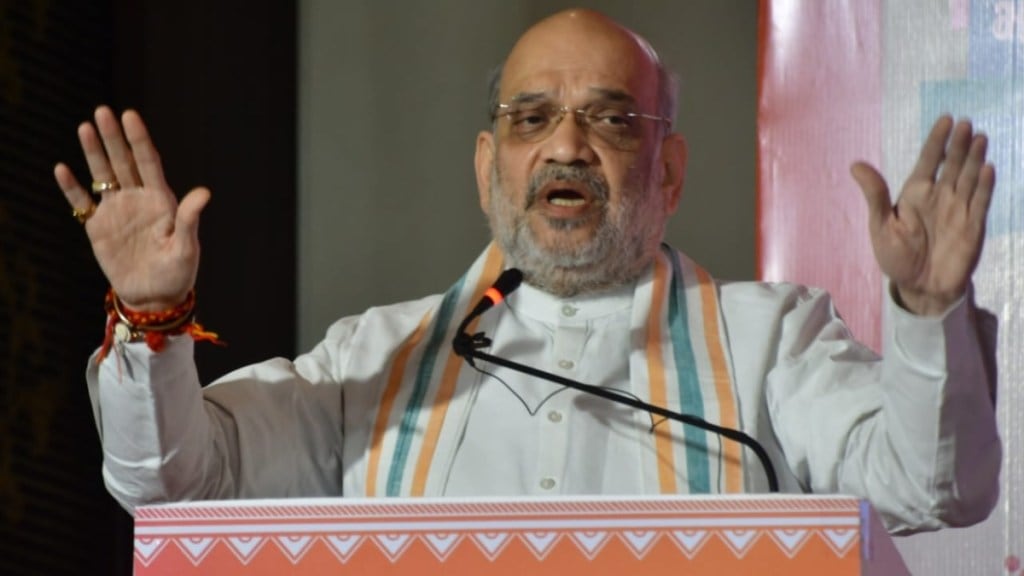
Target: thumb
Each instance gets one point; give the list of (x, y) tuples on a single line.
[(875, 190), (190, 208)]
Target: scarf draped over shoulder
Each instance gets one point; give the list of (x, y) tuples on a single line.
[(682, 363)]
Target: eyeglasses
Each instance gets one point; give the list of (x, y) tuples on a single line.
[(535, 121)]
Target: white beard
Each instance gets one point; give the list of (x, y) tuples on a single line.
[(623, 245)]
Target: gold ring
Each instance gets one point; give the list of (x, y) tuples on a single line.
[(109, 186), (83, 215)]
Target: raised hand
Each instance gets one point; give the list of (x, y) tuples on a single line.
[(145, 241), (929, 242)]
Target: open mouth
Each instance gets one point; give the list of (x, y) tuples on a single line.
[(566, 197), (565, 194)]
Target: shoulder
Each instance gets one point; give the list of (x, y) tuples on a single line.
[(769, 298), (361, 344), (400, 317), (782, 316), (752, 298), (789, 323)]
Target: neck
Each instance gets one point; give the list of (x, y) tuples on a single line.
[(575, 282)]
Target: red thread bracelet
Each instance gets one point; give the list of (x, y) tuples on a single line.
[(153, 327)]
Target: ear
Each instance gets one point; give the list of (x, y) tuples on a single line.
[(483, 161), (673, 169)]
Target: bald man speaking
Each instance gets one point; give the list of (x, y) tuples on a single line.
[(577, 176)]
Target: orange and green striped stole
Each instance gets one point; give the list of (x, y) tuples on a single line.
[(687, 362), (682, 362)]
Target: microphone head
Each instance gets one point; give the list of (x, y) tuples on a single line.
[(464, 343), (508, 281)]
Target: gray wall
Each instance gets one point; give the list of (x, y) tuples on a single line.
[(392, 94)]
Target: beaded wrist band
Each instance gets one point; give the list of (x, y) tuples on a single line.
[(127, 325)]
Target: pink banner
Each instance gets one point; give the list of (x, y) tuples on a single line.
[(843, 80), (820, 105)]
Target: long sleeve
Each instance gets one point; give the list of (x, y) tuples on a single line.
[(270, 429), (914, 432)]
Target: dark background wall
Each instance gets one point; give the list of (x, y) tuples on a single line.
[(215, 82)]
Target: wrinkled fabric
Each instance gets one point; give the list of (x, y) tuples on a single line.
[(914, 433)]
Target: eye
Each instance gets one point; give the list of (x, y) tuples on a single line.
[(529, 120), (611, 119)]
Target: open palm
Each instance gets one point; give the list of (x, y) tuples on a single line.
[(929, 242), (144, 240)]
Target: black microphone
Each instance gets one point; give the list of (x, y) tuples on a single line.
[(463, 342), (468, 346)]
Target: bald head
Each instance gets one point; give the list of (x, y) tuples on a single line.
[(584, 41), (581, 205)]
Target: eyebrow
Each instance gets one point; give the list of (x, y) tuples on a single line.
[(614, 95), (530, 97)]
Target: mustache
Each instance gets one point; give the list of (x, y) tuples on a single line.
[(592, 180)]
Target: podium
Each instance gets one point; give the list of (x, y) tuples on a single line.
[(776, 534)]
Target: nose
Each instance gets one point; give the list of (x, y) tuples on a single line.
[(568, 142)]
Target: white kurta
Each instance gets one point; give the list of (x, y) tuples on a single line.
[(915, 433)]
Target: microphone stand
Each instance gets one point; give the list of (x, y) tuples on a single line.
[(467, 346)]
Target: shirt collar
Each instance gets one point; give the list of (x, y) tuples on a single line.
[(540, 305)]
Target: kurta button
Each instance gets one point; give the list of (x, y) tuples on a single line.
[(568, 310), (566, 364), (547, 483), (555, 416)]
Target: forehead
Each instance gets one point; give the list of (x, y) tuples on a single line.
[(572, 59)]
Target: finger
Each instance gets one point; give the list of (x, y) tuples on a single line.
[(95, 155), (188, 211), (876, 193), (120, 155), (982, 197), (933, 150), (77, 197), (967, 182), (956, 154), (147, 159)]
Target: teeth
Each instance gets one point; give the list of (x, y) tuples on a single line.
[(567, 201)]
